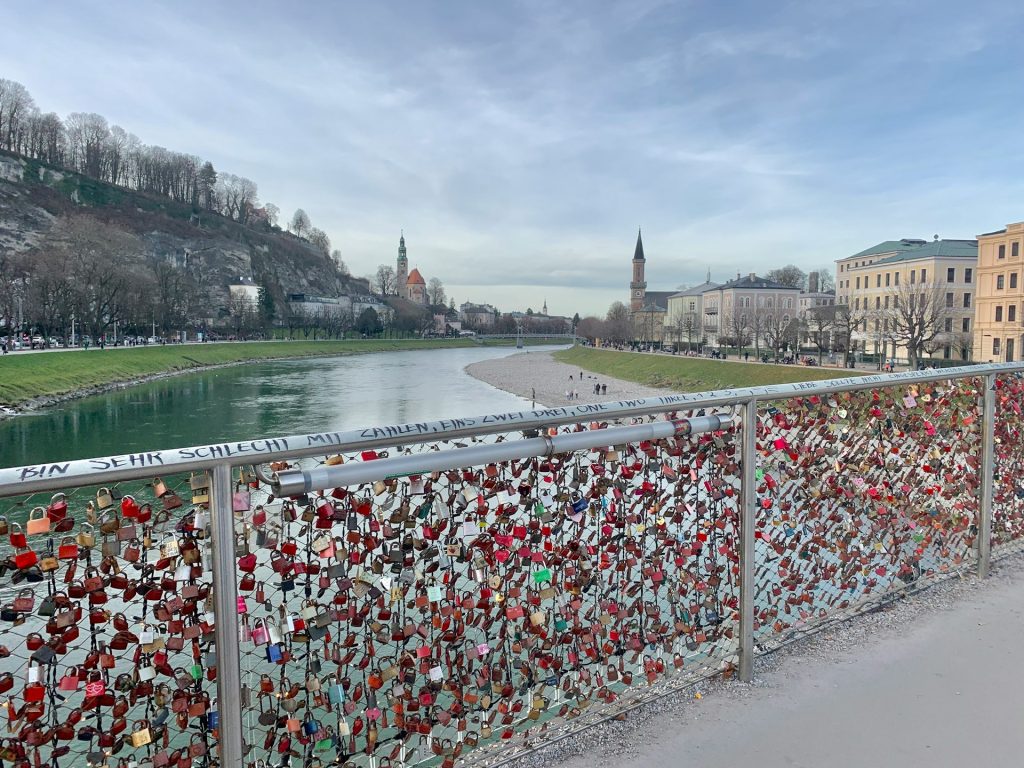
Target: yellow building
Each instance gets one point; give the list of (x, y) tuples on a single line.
[(934, 281), (999, 326)]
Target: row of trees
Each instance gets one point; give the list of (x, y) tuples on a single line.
[(84, 142), (92, 273)]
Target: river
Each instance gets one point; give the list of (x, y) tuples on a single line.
[(286, 397)]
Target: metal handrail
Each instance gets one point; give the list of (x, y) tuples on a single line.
[(220, 459), (58, 475)]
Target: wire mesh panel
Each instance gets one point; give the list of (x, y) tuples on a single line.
[(105, 648), (416, 616), (861, 493), (1008, 488)]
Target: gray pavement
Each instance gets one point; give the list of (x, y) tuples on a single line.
[(945, 689)]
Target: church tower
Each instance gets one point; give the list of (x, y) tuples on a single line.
[(638, 288), (402, 273)]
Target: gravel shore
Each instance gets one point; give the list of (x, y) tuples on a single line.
[(538, 376)]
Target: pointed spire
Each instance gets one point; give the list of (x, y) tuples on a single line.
[(638, 254), (709, 275)]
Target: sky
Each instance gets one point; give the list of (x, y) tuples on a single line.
[(520, 145)]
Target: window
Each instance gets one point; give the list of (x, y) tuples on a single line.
[(949, 300), (995, 347), (951, 275), (1013, 279), (946, 353), (1015, 249), (968, 275), (876, 326), (887, 277), (965, 326), (999, 314), (967, 301), (896, 280), (856, 304), (1011, 313), (878, 302), (858, 282), (1002, 251), (913, 275), (878, 280), (924, 275), (1000, 282), (886, 302), (949, 324)]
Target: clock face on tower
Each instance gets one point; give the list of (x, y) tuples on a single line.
[(637, 294)]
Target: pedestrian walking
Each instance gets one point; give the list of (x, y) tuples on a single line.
[(604, 389), (597, 388)]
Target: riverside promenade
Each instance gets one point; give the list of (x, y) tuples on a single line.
[(932, 681)]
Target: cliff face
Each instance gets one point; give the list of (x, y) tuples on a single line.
[(35, 198)]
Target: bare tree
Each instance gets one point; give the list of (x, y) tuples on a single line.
[(319, 240), (789, 275), (820, 323), (384, 280), (300, 223), (618, 327), (779, 329), (271, 213), (916, 315), (15, 106), (435, 292), (846, 322)]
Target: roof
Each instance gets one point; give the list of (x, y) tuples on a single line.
[(909, 248), (415, 278), (697, 290), (652, 307), (753, 282), (658, 298), (638, 254)]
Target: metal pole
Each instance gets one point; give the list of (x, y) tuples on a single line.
[(225, 592), (987, 469), (748, 517), (291, 482)]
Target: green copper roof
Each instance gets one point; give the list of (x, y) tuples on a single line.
[(909, 248)]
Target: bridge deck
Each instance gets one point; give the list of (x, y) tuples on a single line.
[(935, 681)]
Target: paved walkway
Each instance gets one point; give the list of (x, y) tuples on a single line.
[(945, 689)]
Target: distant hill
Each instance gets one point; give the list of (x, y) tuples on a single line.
[(36, 198)]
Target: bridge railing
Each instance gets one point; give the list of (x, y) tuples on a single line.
[(469, 588)]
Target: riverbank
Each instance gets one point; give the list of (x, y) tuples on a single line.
[(690, 374), (539, 377), (30, 381), (545, 376)]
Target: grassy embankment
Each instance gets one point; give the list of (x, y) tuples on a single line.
[(27, 376), (690, 374)]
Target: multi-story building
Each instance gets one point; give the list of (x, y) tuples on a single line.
[(684, 319), (938, 277), (749, 311), (999, 322), (477, 315)]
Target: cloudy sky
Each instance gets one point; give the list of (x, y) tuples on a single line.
[(521, 144)]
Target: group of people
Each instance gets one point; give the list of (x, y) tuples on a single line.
[(573, 394)]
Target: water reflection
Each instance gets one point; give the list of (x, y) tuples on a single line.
[(260, 400)]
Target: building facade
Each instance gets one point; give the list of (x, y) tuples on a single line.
[(999, 324), (684, 316), (750, 311), (879, 283)]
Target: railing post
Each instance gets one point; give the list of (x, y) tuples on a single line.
[(225, 591), (748, 521), (987, 469)]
